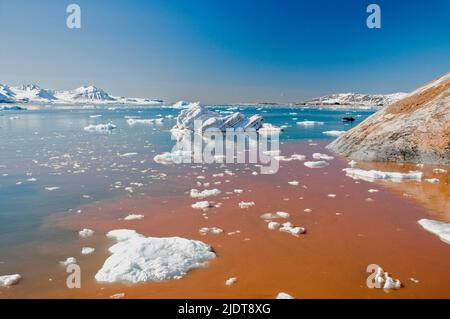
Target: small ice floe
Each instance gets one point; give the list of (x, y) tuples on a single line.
[(246, 204), (195, 193), (414, 280), (231, 281), (320, 156), (136, 258), (68, 261), (202, 205), (438, 228), (283, 295), (87, 250), (85, 233), (373, 190), (310, 123), (333, 133), (175, 157), (117, 296), (270, 216), (94, 116), (134, 217), (273, 225), (9, 280), (352, 163), (132, 122), (291, 229), (331, 195), (127, 154), (383, 278), (238, 191), (100, 127), (293, 157), (432, 180), (52, 188), (211, 230), (316, 164), (307, 210), (439, 171), (294, 183), (372, 175)]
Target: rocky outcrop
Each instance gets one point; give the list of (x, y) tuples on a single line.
[(355, 99), (414, 129)]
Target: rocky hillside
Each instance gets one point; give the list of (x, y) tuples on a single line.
[(355, 99), (413, 129)]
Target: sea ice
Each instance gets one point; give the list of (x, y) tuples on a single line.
[(310, 123), (85, 233), (100, 127), (246, 204), (175, 157), (136, 258), (212, 230), (294, 183), (230, 281), (68, 261), (432, 180), (195, 193), (372, 175), (382, 277), (319, 156), (283, 295), (87, 250), (134, 217), (438, 228), (316, 164), (9, 280), (334, 133), (202, 205)]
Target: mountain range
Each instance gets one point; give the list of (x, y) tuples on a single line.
[(32, 93), (355, 99)]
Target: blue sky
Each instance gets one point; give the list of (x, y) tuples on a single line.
[(225, 51)]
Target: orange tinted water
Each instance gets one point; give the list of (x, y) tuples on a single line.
[(344, 235)]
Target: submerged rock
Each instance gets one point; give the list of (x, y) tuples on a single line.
[(414, 129)]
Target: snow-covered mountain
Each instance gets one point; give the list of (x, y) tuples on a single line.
[(355, 99), (32, 93)]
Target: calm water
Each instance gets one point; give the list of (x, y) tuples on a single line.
[(49, 149)]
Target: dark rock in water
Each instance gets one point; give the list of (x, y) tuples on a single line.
[(348, 119), (415, 129)]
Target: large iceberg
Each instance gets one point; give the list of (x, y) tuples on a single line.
[(208, 119)]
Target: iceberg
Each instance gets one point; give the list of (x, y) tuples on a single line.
[(9, 280), (370, 176), (100, 128), (437, 228), (213, 120)]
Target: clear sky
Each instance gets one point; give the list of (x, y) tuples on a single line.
[(225, 50)]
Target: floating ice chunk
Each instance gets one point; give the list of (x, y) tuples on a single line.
[(273, 225), (100, 127), (372, 175), (202, 205), (334, 133), (352, 163), (134, 217), (68, 261), (432, 180), (51, 189), (132, 122), (438, 228), (95, 116), (212, 230), (9, 280), (319, 156), (195, 193), (85, 233), (310, 123), (128, 154), (439, 171), (283, 295), (293, 157), (331, 195), (180, 105), (294, 183), (289, 228), (246, 204), (316, 164), (176, 157), (238, 191), (118, 296), (230, 281), (382, 277), (373, 190), (87, 250), (136, 258)]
